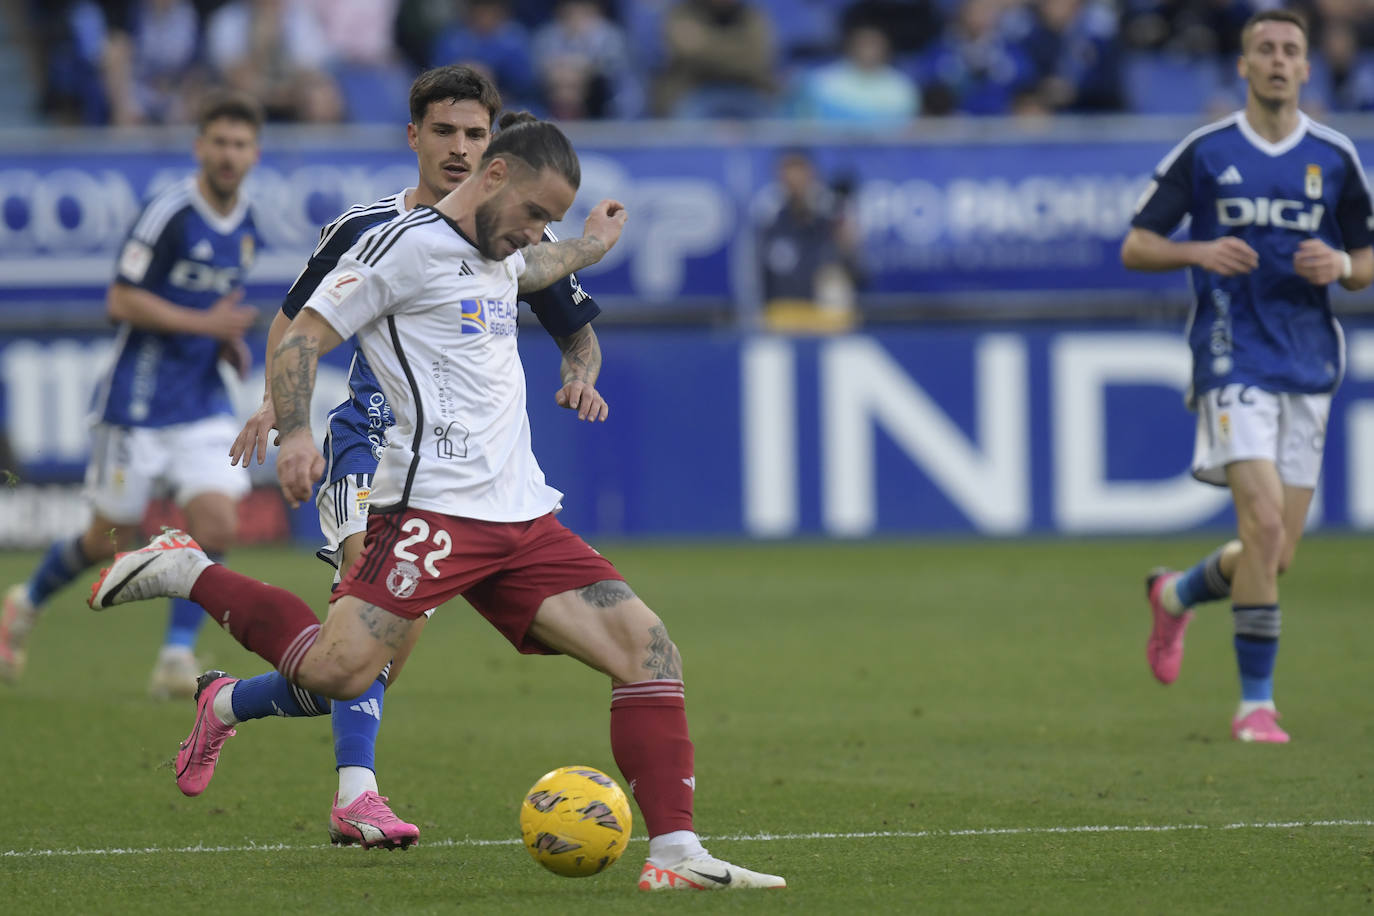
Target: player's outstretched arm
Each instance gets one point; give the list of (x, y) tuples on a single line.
[(1150, 251), (550, 261), (255, 432), (299, 462), (579, 371), (228, 319)]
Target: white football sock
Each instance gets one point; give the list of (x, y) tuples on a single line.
[(354, 781), (671, 848), (1168, 596), (223, 705)]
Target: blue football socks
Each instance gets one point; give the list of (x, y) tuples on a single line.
[(64, 561), (1257, 646), (356, 723), (271, 694), (1204, 582)]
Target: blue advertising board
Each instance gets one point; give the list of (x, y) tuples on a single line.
[(935, 217), (962, 429)]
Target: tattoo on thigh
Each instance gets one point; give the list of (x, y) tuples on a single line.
[(607, 593), (664, 660), (385, 627)]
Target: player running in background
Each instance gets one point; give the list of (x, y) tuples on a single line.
[(452, 109), (162, 414), (459, 504), (1280, 209)]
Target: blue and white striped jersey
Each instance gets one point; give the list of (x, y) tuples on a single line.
[(1269, 328), (357, 428), (183, 251)]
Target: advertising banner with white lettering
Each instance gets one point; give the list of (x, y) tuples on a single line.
[(967, 429), (1032, 215)]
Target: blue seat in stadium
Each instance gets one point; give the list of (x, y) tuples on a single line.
[(1169, 84)]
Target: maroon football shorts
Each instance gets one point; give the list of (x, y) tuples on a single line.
[(415, 559)]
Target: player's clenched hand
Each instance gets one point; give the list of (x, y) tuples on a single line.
[(299, 465), (584, 399), (1228, 256), (1317, 262), (229, 318), (605, 222), (254, 435)]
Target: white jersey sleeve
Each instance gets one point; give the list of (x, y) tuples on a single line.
[(380, 275)]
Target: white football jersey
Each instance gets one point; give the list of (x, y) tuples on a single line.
[(437, 322)]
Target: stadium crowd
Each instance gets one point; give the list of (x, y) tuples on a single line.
[(865, 63)]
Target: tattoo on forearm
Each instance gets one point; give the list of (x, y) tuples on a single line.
[(550, 261), (293, 381), (581, 356), (664, 660), (385, 627), (607, 593)]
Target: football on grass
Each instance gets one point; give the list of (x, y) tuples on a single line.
[(575, 821)]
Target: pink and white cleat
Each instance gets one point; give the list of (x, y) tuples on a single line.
[(167, 568), (369, 821), (1164, 650), (198, 754), (1260, 726), (704, 873)]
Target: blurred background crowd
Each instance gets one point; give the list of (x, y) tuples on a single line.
[(880, 64)]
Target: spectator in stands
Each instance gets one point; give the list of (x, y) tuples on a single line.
[(807, 249), (486, 38), (1349, 68), (73, 37), (972, 68), (910, 25), (149, 67), (720, 61), (1073, 47), (583, 64), (862, 88), (358, 33), (275, 51)]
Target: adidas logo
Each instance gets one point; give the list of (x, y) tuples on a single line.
[(202, 250), (370, 707), (1230, 176), (466, 271)]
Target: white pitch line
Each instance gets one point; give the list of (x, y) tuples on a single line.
[(743, 837)]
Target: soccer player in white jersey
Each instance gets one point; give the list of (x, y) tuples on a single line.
[(162, 417), (452, 109), (460, 506), (1280, 209)]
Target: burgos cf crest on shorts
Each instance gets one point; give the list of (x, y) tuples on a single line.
[(403, 578), (489, 316)]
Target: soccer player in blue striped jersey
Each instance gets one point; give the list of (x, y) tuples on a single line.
[(162, 417), (452, 109), (1280, 209)]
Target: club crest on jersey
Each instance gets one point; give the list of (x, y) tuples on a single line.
[(1313, 184), (247, 251), (402, 579)]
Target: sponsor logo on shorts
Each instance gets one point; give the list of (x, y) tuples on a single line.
[(402, 579)]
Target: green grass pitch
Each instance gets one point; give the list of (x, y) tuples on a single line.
[(895, 727)]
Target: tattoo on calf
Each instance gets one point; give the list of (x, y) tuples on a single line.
[(664, 660), (607, 593)]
